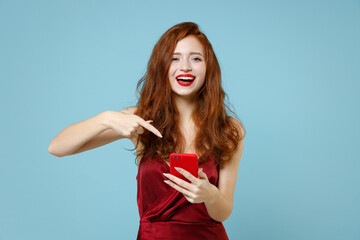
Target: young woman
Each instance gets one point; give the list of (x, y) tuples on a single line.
[(181, 109)]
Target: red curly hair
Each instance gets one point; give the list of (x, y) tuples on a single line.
[(218, 134)]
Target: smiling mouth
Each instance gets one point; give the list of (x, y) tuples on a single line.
[(185, 81)]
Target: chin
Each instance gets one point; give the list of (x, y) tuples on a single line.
[(185, 94), (184, 91)]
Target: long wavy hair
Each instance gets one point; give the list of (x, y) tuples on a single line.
[(217, 135)]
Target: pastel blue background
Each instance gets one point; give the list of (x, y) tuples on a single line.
[(291, 70)]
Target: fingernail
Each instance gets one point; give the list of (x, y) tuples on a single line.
[(177, 168), (149, 121), (159, 135), (166, 181)]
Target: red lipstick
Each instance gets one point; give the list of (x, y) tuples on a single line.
[(185, 79), (186, 75)]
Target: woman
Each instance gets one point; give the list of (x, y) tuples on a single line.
[(181, 109)]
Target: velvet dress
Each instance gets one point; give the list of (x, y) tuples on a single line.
[(165, 213)]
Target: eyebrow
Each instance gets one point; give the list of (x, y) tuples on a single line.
[(191, 53)]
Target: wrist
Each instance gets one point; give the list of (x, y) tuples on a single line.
[(214, 194), (104, 119)]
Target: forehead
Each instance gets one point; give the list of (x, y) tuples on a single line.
[(189, 44)]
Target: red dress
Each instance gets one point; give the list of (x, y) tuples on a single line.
[(165, 213)]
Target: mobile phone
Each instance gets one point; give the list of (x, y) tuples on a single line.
[(187, 161)]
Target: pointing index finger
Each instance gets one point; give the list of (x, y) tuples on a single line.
[(151, 128)]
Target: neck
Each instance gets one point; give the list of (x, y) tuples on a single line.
[(185, 107)]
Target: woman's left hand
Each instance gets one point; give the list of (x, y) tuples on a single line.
[(197, 191)]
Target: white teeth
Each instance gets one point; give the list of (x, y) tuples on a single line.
[(185, 78)]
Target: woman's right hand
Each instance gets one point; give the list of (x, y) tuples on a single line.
[(127, 124)]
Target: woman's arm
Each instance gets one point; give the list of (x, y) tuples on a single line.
[(220, 206), (99, 130), (73, 138)]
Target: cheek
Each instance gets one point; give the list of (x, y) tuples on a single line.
[(202, 71), (172, 67), (170, 73), (201, 67)]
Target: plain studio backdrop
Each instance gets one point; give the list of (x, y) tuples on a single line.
[(291, 70)]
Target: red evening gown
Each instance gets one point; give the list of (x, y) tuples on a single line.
[(165, 213)]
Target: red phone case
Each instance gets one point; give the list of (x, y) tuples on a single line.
[(189, 162)]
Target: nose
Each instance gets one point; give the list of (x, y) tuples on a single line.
[(185, 66)]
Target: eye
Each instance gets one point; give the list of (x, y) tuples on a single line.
[(197, 59), (175, 59)]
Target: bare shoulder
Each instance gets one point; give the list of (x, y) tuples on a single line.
[(239, 125), (129, 110)]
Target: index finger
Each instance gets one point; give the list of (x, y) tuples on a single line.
[(149, 127)]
